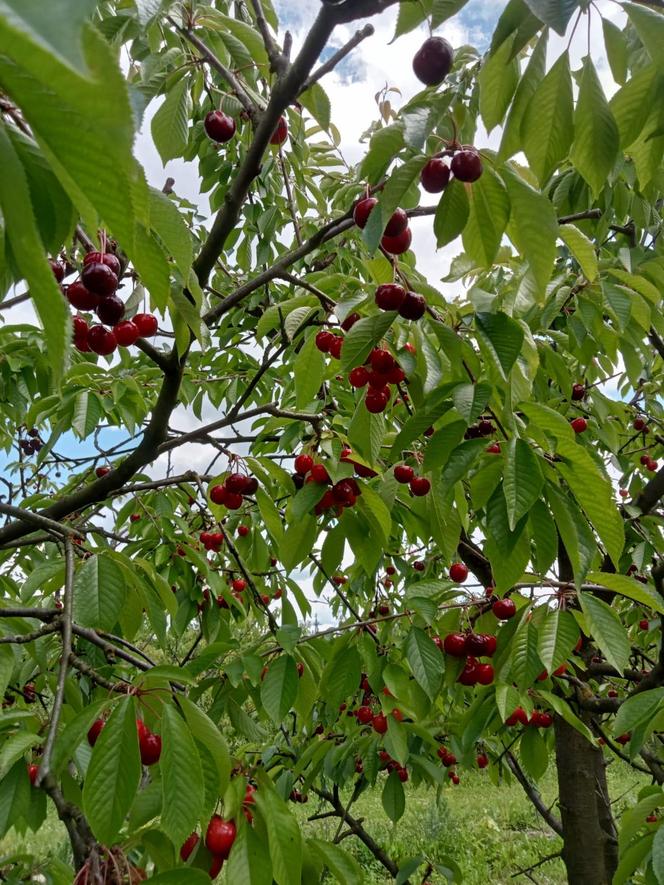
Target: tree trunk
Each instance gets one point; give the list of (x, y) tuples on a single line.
[(589, 849)]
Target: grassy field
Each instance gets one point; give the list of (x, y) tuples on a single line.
[(490, 832)]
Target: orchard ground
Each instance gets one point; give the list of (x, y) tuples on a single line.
[(491, 831)]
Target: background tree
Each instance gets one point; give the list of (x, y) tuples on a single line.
[(163, 685)]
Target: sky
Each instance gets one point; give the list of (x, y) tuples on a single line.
[(351, 88)]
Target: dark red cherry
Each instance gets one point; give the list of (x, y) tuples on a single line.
[(280, 134), (413, 306), (58, 270), (126, 333), (110, 310), (219, 126), (101, 340), (467, 165), (99, 278), (146, 323), (80, 297), (399, 244), (362, 211), (397, 224), (435, 175), (107, 258), (390, 296), (433, 61)]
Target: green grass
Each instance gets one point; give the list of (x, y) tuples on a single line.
[(490, 831)]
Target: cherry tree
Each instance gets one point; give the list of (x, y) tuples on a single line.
[(472, 484)]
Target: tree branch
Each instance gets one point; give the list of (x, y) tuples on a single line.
[(533, 794), (278, 62), (367, 31)]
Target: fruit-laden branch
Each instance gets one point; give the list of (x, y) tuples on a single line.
[(66, 625), (534, 795)]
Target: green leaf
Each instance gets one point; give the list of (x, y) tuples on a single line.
[(533, 228), (523, 479), (113, 773), (470, 400), (411, 15), (452, 213), (283, 834), (582, 248), (316, 101), (435, 405), (444, 9), (547, 128), (340, 863), (658, 854), (596, 139), (639, 709), (309, 370), (363, 337), (384, 146), (574, 531), (555, 13), (487, 219), (497, 80), (534, 753), (649, 26), (28, 251), (426, 661), (394, 801), (7, 663), (298, 541), (615, 43), (99, 593), (557, 634), (533, 75), (279, 688), (56, 27), (543, 533), (14, 797), (170, 124), (182, 777), (249, 860), (526, 665), (194, 877), (340, 677), (397, 185), (629, 588), (607, 630), (502, 336)]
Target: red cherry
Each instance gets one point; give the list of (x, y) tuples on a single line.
[(644, 624), (399, 244), (651, 465), (150, 747), (381, 360), (188, 846), (110, 310), (454, 645), (218, 494), (420, 486), (323, 341), (147, 324), (490, 645), (58, 270), (545, 720), (482, 760), (238, 585), (219, 126), (303, 464), (350, 321), (419, 566), (504, 609), (364, 715), (403, 473), (624, 738), (435, 175), (493, 449), (639, 424), (484, 674), (578, 392), (33, 771), (335, 346), (79, 327), (95, 730), (458, 572), (102, 471), (99, 278), (377, 380), (236, 482), (579, 425), (379, 723), (518, 715), (469, 675), (220, 836), (397, 224), (410, 347), (476, 644), (651, 819), (80, 297), (376, 401), (466, 166), (319, 473), (396, 375), (358, 377), (107, 258), (280, 134), (390, 296), (363, 210), (126, 333), (413, 306), (433, 61), (101, 341), (456, 780)]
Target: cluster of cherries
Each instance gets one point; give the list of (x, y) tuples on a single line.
[(419, 485), (392, 296), (219, 838), (212, 541), (31, 445), (397, 235), (471, 646), (538, 718), (641, 426), (97, 290), (379, 371), (149, 743), (220, 127), (466, 166), (343, 493), (233, 491)]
